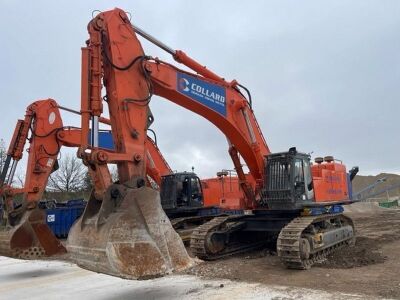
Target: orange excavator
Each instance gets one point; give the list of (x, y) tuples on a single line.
[(124, 231)]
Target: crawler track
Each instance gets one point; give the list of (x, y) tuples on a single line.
[(288, 243), (202, 246), (185, 226)]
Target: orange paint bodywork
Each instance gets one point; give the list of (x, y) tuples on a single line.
[(330, 182), (224, 191)]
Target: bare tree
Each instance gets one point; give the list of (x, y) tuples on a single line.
[(88, 183), (70, 177), (3, 153)]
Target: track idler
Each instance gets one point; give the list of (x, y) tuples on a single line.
[(29, 237), (128, 235)]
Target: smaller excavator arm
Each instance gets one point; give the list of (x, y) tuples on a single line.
[(43, 120), (27, 234), (47, 135)]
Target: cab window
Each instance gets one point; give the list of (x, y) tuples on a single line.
[(195, 185), (298, 171)]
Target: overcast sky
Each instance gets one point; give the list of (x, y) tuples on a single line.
[(324, 75)]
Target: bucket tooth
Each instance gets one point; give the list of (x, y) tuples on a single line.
[(127, 235), (30, 238)]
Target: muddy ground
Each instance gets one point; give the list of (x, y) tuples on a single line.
[(371, 267)]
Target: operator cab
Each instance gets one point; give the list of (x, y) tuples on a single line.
[(181, 190), (289, 183)]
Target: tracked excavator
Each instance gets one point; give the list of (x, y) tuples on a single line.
[(124, 232)]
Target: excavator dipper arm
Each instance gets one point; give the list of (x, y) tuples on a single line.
[(26, 234), (44, 122)]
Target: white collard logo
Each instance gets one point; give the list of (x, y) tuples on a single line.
[(200, 91)]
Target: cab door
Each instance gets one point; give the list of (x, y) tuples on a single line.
[(303, 184), (309, 186), (299, 182), (196, 193)]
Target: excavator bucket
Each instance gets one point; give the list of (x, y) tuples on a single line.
[(30, 238), (128, 235)]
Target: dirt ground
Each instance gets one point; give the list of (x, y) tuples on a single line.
[(371, 267)]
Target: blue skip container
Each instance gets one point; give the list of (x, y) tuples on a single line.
[(61, 218)]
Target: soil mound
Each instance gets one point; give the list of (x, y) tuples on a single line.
[(364, 253)]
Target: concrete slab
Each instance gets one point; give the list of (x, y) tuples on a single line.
[(21, 279)]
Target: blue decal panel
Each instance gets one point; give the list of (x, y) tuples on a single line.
[(105, 139), (211, 95)]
